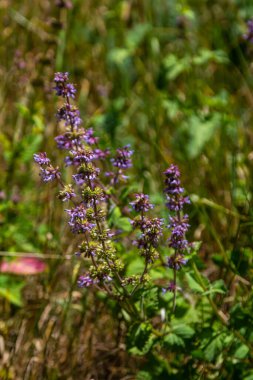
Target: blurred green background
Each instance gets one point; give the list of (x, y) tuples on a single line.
[(174, 79)]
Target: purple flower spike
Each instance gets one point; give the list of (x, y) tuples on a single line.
[(178, 222)]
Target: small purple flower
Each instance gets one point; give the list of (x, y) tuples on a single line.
[(89, 137), (170, 288), (64, 141), (49, 174), (101, 154), (79, 179), (86, 175), (122, 159), (116, 177), (176, 261), (141, 203), (41, 158), (78, 212), (67, 193), (85, 281)]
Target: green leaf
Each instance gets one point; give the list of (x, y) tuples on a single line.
[(193, 284), (11, 288), (183, 330), (214, 348), (241, 352), (199, 131), (205, 56), (175, 66), (140, 339), (119, 56), (151, 301), (216, 287), (135, 266), (136, 35), (173, 340), (117, 220), (30, 145)]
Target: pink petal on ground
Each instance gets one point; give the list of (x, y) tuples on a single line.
[(23, 266)]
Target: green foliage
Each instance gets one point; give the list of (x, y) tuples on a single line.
[(140, 339)]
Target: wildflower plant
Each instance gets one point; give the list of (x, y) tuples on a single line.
[(90, 196)]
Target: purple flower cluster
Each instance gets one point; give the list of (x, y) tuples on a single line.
[(121, 161), (178, 222), (70, 114), (78, 220), (47, 172), (62, 87), (151, 232), (41, 158)]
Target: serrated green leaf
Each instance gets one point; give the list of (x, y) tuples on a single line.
[(140, 339), (173, 340)]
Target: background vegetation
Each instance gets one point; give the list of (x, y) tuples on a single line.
[(173, 79)]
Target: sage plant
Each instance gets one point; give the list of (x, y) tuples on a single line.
[(89, 201)]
